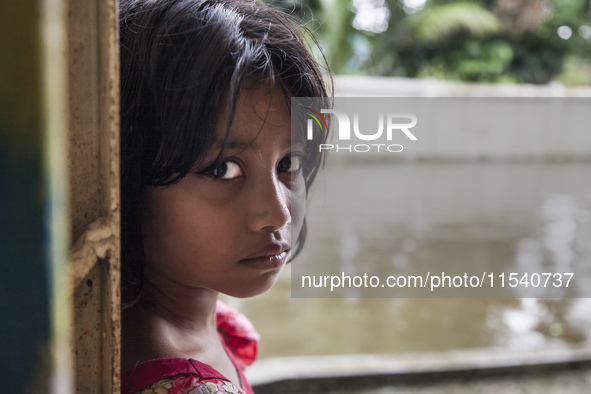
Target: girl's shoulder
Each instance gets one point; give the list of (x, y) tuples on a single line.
[(178, 376)]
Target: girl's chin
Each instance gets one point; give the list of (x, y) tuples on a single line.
[(255, 290)]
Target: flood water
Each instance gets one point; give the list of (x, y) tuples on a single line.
[(511, 214)]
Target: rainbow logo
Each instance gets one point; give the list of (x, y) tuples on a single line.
[(315, 115)]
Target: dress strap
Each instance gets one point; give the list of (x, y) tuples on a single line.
[(238, 333)]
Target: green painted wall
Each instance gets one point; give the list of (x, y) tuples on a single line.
[(24, 278)]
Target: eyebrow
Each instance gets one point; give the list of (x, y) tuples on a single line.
[(231, 144), (240, 145)]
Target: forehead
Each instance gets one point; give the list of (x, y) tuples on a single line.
[(257, 109)]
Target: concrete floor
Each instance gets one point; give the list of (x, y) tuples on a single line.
[(498, 371)]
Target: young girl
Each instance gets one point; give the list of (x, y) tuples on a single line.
[(213, 184)]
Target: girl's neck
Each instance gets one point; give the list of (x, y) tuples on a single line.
[(185, 309), (174, 321), (169, 321)]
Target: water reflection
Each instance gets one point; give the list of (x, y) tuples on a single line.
[(562, 216), (529, 216)]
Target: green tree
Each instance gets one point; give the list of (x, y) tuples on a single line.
[(471, 40)]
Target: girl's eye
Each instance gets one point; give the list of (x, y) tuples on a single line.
[(290, 164), (227, 170)]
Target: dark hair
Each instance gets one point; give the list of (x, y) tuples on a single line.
[(181, 61)]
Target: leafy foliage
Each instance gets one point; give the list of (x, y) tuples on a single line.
[(525, 41), (441, 23)]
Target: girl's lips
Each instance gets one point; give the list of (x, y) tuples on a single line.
[(266, 261)]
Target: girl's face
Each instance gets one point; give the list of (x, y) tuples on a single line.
[(230, 227)]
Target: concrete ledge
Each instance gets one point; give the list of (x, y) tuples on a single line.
[(321, 373), (360, 86)]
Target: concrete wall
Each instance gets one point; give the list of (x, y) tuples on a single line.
[(361, 86), (93, 166), (484, 122), (59, 170)]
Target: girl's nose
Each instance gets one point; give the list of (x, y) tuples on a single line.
[(270, 205)]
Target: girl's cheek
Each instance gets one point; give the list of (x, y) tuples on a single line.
[(298, 205), (216, 192)]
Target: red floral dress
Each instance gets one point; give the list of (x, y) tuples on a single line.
[(189, 376)]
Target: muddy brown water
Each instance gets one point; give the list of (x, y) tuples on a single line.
[(518, 214)]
